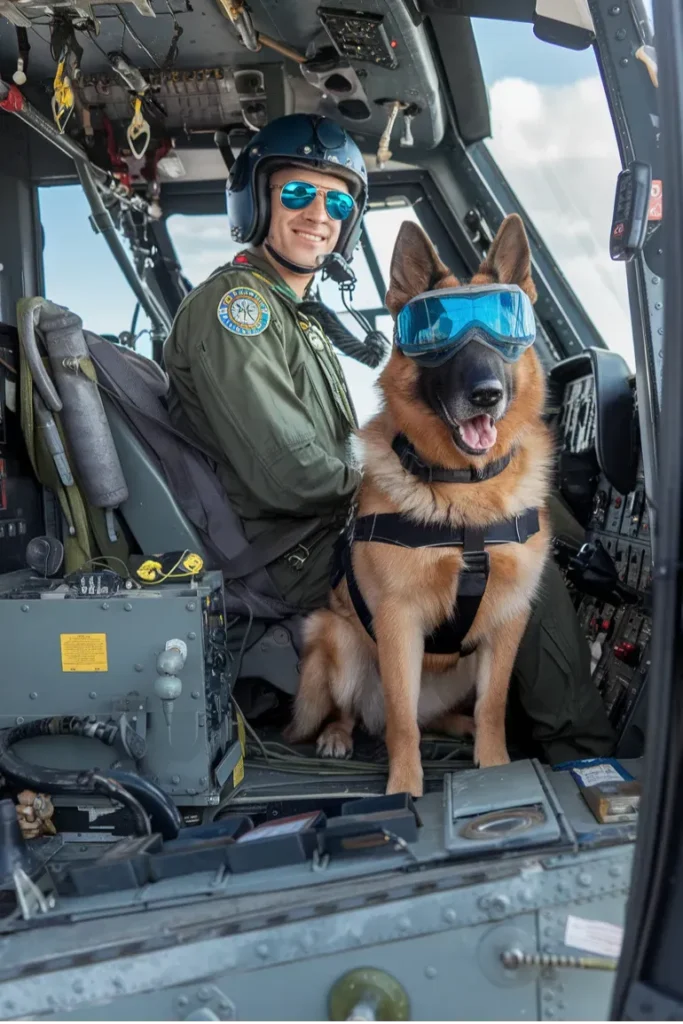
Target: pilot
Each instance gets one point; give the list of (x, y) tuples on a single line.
[(256, 380)]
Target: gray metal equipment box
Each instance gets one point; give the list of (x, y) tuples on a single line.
[(108, 657)]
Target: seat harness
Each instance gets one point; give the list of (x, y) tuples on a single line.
[(399, 530)]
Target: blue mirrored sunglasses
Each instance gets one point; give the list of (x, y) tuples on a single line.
[(297, 195), (433, 326)]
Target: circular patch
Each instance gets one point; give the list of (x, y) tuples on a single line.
[(244, 311)]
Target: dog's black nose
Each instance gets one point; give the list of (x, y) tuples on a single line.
[(486, 393)]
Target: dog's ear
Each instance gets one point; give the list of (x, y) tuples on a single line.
[(415, 267), (508, 261)]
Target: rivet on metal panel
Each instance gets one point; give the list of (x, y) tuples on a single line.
[(105, 606), (190, 606), (78, 987), (138, 667), (624, 62), (191, 636), (182, 1000), (92, 695), (33, 695), (615, 871), (19, 720), (431, 972), (450, 916), (499, 904), (128, 607), (175, 779), (203, 994), (620, 35), (24, 608), (262, 950), (584, 878), (195, 695)]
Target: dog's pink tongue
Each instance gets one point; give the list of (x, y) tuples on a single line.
[(479, 433)]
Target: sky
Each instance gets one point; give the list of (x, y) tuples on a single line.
[(551, 134)]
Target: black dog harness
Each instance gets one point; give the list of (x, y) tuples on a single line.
[(399, 530)]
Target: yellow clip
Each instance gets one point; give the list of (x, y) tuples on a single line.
[(63, 100), (193, 563), (137, 128), (149, 570)]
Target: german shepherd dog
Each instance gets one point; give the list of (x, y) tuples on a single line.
[(389, 683)]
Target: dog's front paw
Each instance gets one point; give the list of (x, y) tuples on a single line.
[(405, 779), (489, 753), (335, 741)]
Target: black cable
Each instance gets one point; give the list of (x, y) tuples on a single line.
[(135, 37), (370, 352), (115, 791), (165, 816), (172, 54)]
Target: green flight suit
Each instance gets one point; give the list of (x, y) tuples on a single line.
[(273, 406), (264, 391)]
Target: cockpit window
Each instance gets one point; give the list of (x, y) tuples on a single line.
[(553, 139), (202, 242), (80, 271)]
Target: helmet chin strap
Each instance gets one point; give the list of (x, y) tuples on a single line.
[(295, 268)]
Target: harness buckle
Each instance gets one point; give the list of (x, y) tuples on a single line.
[(475, 574), (297, 560)]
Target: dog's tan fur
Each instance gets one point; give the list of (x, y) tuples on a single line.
[(392, 685)]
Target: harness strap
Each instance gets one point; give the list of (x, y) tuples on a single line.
[(392, 528), (412, 462)]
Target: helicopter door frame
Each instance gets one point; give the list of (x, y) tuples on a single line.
[(622, 30), (649, 983)]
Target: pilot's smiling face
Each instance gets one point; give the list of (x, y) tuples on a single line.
[(303, 236)]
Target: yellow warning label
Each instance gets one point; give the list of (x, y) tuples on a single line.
[(238, 773), (84, 652)]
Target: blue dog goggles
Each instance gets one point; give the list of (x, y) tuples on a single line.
[(433, 326)]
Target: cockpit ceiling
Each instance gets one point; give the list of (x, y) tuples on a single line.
[(201, 78)]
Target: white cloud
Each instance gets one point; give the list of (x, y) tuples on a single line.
[(557, 148)]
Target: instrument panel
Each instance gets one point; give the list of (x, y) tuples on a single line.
[(617, 620)]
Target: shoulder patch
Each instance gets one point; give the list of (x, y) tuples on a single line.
[(244, 311)]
